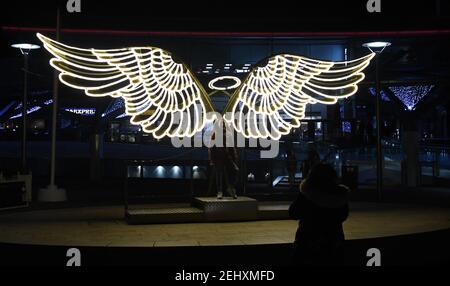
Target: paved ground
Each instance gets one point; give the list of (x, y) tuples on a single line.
[(104, 226)]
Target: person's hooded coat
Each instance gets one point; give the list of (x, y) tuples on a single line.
[(320, 214)]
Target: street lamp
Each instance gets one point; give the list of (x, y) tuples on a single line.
[(52, 193), (377, 48), (25, 49)]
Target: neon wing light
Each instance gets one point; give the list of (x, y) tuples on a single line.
[(166, 99), (160, 95), (273, 98)]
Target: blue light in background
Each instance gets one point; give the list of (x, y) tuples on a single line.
[(31, 110), (116, 105), (384, 96), (6, 108), (411, 95), (18, 106), (122, 115), (81, 111), (346, 127)]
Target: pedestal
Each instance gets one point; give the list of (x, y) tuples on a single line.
[(227, 209)]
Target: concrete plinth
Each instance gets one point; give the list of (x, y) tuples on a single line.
[(227, 209), (52, 194)]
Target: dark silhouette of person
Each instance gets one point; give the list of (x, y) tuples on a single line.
[(312, 158), (224, 168), (232, 170), (321, 207), (291, 165)]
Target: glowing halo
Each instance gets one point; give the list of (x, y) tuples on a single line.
[(237, 83)]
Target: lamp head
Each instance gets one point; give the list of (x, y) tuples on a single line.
[(25, 48), (377, 46)]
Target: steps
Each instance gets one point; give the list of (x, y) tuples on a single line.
[(208, 209)]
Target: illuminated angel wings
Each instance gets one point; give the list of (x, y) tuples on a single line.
[(166, 99), (273, 98), (160, 95)]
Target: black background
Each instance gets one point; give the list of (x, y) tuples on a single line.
[(232, 15)]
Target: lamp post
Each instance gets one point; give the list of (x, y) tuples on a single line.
[(378, 48), (52, 193), (25, 49)]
